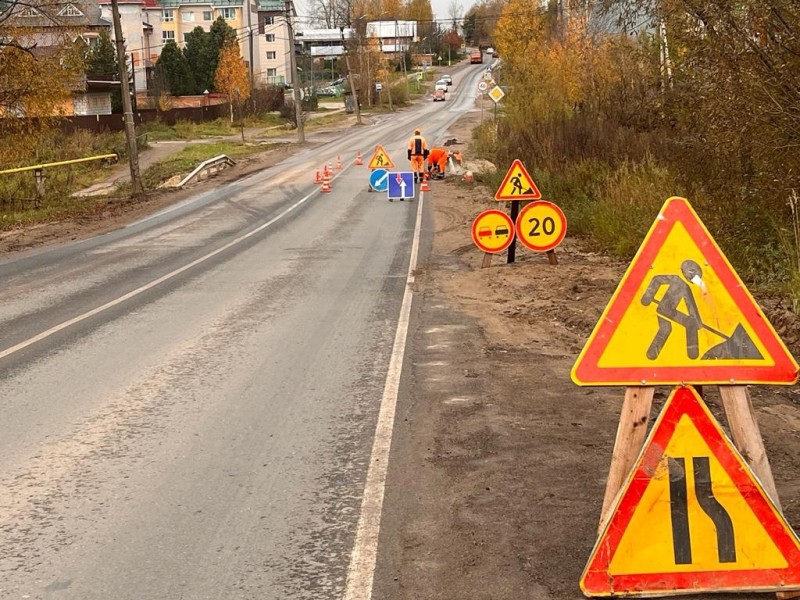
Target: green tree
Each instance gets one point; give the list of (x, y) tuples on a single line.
[(174, 67), (101, 63), (201, 56)]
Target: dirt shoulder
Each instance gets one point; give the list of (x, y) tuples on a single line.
[(500, 461)]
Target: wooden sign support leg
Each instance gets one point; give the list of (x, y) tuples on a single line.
[(631, 434), (746, 435), (551, 257), (487, 260)]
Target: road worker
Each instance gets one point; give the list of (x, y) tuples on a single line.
[(437, 162), (417, 153)]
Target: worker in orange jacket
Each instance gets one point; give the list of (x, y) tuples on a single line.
[(417, 153), (437, 162)]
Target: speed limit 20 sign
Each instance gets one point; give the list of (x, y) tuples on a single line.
[(541, 226)]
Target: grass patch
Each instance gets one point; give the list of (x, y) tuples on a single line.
[(322, 121), (189, 130), (19, 204)]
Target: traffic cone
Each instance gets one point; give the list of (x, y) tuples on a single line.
[(326, 183), (338, 163), (424, 187), (318, 177), (358, 158)]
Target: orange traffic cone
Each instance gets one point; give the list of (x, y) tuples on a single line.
[(358, 158), (318, 177), (338, 163), (326, 183), (424, 187)]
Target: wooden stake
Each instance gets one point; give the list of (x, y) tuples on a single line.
[(631, 434), (487, 260), (747, 437), (551, 257)]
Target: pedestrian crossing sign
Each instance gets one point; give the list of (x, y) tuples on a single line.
[(691, 517), (682, 315), (517, 185), (380, 159)]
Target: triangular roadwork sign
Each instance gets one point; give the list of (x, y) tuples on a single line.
[(517, 185), (380, 159), (691, 517), (682, 315)]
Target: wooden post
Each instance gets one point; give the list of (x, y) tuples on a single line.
[(487, 260), (747, 437), (38, 176), (551, 257), (631, 434)]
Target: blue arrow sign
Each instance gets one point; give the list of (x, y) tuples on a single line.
[(379, 180), (401, 186)]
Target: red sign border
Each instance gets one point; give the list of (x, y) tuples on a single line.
[(587, 371), (512, 229), (596, 580), (557, 209), (537, 195)]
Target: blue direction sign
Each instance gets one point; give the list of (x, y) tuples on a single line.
[(379, 180), (401, 186)]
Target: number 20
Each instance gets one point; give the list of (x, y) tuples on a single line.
[(548, 226)]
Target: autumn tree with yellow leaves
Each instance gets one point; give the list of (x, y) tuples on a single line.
[(231, 77), (37, 77), (617, 105)]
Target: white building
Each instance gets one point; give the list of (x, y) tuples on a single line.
[(395, 37)]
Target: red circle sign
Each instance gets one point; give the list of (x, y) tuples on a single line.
[(493, 231), (541, 226)]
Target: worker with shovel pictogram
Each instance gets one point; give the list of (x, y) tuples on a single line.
[(736, 346)]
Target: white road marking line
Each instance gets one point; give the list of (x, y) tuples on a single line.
[(112, 303), (365, 549)]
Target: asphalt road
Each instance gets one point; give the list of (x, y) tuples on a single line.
[(188, 404)]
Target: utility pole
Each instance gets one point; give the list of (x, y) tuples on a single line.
[(350, 77), (388, 74), (130, 130), (298, 108), (250, 48), (403, 55)]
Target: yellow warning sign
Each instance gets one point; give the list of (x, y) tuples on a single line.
[(692, 517), (681, 314), (517, 185), (380, 159)]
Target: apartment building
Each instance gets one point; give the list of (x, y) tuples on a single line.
[(272, 48), (141, 45), (261, 27)]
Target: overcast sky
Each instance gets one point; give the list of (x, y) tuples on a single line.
[(441, 8)]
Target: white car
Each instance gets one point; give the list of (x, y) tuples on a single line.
[(441, 85)]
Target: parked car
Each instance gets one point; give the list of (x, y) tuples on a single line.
[(441, 85), (438, 95), (447, 79)]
